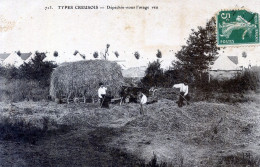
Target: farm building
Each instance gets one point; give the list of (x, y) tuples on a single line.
[(3, 56), (133, 75), (17, 60), (134, 72), (26, 56), (224, 67), (31, 56), (13, 59)]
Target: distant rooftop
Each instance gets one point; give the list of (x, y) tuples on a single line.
[(3, 56), (25, 56), (134, 72), (234, 59)]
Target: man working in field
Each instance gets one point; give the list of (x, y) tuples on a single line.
[(184, 89), (102, 93), (142, 102)]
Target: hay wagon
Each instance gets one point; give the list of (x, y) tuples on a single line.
[(79, 81)]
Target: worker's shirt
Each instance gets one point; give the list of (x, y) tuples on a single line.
[(183, 88), (102, 91), (143, 99)]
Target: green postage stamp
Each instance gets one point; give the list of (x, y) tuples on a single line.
[(237, 27)]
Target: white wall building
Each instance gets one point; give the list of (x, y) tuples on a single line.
[(14, 60)]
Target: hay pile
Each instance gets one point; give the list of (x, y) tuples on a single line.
[(165, 129), (166, 93), (199, 123), (82, 78)]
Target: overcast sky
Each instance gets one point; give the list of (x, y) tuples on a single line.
[(31, 27)]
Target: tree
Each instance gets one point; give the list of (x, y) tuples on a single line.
[(106, 51), (116, 54), (194, 57), (37, 69), (154, 68), (19, 53), (95, 55), (153, 74), (55, 54), (159, 54), (76, 52), (137, 55), (2, 71), (244, 54), (10, 72)]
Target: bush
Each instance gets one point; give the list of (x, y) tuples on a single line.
[(245, 81), (248, 80), (30, 81), (10, 72), (37, 70), (21, 89), (2, 70), (155, 76), (228, 90)]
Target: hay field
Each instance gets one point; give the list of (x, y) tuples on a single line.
[(201, 134)]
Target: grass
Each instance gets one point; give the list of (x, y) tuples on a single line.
[(201, 133), (22, 90)]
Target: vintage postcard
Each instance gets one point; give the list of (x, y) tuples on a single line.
[(129, 83)]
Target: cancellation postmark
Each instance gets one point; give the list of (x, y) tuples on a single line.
[(237, 27)]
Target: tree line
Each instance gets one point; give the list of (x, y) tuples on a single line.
[(193, 63), (36, 69)]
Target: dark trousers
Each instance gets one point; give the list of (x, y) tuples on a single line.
[(141, 109), (101, 100), (181, 99), (104, 101)]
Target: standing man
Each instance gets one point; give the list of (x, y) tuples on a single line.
[(101, 93), (184, 90), (142, 102)]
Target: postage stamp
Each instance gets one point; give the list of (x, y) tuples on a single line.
[(237, 27)]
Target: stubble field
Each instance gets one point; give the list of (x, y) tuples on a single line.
[(200, 134)]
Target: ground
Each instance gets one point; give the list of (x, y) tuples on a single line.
[(200, 134)]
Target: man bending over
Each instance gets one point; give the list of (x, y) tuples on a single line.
[(184, 90)]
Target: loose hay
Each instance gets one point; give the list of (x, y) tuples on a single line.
[(82, 78)]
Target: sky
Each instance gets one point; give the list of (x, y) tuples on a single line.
[(29, 27)]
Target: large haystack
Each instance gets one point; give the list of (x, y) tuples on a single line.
[(82, 78)]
